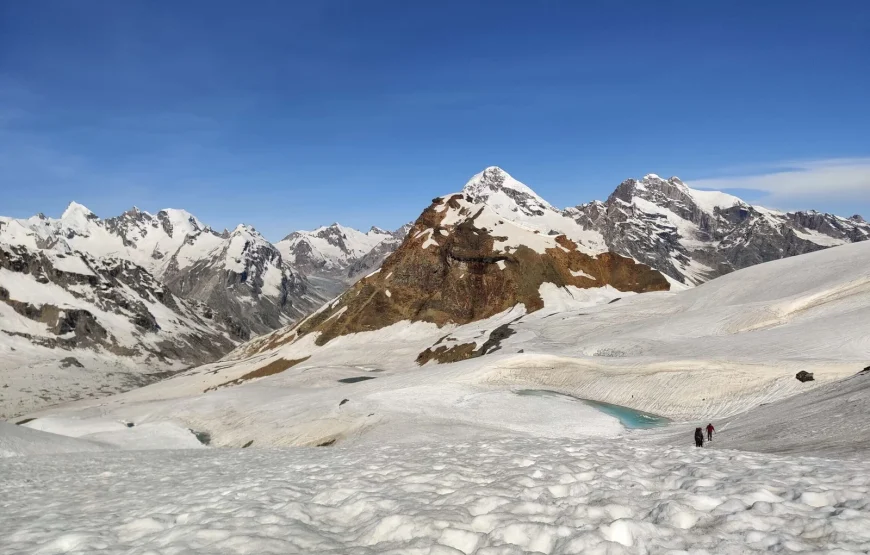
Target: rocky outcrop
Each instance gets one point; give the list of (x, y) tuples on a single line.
[(443, 354)]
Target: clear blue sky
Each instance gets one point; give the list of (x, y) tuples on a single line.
[(287, 115)]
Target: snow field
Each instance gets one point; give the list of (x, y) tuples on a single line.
[(494, 496), (16, 441)]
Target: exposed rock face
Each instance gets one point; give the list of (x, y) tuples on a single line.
[(694, 236), (803, 376), (463, 262), (243, 278)]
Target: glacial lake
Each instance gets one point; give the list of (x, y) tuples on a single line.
[(630, 418)]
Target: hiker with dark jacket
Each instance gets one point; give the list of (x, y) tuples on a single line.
[(699, 437), (710, 430)]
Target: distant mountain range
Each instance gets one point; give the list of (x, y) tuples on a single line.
[(98, 305), (694, 236), (106, 304), (497, 244), (333, 257)]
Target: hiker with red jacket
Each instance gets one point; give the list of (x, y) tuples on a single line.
[(710, 430)]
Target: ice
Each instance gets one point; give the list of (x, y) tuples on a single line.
[(482, 496)]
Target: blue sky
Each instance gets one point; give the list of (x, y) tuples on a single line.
[(289, 115)]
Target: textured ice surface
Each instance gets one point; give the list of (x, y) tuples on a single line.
[(497, 496)]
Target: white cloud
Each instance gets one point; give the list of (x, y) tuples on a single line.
[(790, 183)]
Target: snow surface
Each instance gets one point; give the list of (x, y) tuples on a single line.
[(16, 234), (709, 201), (581, 273), (71, 263), (16, 441), (486, 496)]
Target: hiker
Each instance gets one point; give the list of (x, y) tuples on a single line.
[(699, 437), (710, 430)]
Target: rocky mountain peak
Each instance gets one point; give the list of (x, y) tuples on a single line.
[(245, 229), (858, 219), (181, 217), (496, 188), (334, 230), (78, 211), (649, 186), (494, 179)]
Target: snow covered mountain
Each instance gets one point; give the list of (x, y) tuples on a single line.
[(333, 257), (494, 248), (239, 275), (470, 256), (690, 235), (694, 236), (220, 288), (516, 202), (243, 276), (728, 347), (73, 325), (495, 244)]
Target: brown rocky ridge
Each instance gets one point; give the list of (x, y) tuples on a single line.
[(461, 262)]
